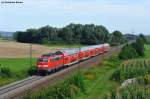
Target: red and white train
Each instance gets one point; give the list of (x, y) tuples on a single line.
[(52, 61)]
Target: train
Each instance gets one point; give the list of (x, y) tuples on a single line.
[(53, 61)]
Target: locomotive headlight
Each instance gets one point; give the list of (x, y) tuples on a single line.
[(39, 65), (45, 65)]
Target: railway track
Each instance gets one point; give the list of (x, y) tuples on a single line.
[(19, 88), (18, 84)]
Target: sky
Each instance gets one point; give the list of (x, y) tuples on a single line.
[(127, 16)]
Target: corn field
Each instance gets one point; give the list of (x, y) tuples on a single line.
[(138, 69), (130, 92), (132, 69)]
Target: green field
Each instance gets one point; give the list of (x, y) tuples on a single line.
[(147, 51), (16, 64)]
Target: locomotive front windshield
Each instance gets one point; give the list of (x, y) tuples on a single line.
[(58, 53), (48, 55), (42, 60)]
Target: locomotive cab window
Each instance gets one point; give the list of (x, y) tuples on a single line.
[(48, 55), (43, 60), (56, 59)]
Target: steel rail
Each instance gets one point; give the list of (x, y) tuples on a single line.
[(18, 84)]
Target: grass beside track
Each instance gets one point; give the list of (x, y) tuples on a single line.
[(18, 67), (98, 81)]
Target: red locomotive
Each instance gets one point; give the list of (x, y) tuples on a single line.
[(52, 61)]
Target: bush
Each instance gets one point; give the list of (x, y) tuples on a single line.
[(143, 38), (128, 52), (21, 74), (32, 70), (5, 72), (69, 88), (78, 81), (116, 75), (139, 47), (65, 90), (133, 50)]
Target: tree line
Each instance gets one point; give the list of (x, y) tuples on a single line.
[(87, 34)]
